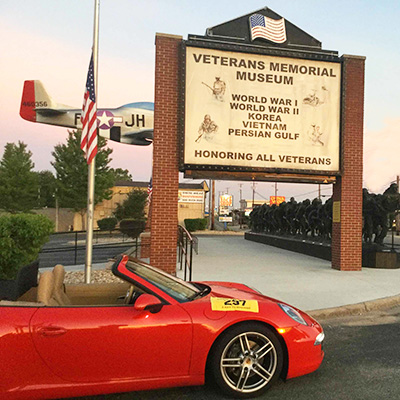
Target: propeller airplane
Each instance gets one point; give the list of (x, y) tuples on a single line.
[(131, 123)]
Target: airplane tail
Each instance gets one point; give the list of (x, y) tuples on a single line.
[(34, 97)]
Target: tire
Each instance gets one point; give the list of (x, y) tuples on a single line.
[(246, 360)]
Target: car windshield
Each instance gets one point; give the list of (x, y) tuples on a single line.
[(176, 288)]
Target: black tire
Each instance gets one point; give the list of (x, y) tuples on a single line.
[(246, 360)]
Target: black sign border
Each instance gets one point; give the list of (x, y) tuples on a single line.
[(259, 50)]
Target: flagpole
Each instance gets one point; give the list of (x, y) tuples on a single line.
[(92, 165)]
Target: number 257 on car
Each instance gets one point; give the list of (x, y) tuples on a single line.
[(220, 304)]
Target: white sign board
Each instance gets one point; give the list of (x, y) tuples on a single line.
[(258, 111), (190, 196), (225, 219), (223, 210)]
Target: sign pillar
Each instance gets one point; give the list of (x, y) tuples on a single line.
[(164, 218), (347, 191)]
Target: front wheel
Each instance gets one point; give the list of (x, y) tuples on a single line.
[(246, 360)]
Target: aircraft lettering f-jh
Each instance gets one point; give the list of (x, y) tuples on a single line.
[(131, 123)]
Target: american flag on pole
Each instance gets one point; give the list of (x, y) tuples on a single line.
[(267, 28), (89, 117), (150, 190)]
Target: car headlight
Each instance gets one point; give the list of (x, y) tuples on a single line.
[(292, 313), (320, 338)]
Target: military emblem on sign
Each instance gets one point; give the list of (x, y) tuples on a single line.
[(106, 119), (207, 129), (218, 88), (314, 134), (315, 99)]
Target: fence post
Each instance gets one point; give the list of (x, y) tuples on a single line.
[(190, 264), (186, 247), (76, 247)]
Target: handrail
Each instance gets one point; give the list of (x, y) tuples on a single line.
[(186, 244)]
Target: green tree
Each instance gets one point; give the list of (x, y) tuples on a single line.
[(47, 189), (133, 206), (121, 175), (18, 183), (72, 173), (21, 238)]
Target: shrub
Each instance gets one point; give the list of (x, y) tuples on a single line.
[(107, 224), (132, 227), (195, 224), (133, 206), (21, 238)]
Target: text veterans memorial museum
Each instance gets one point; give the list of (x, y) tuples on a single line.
[(259, 111)]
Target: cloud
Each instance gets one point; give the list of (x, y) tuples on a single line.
[(381, 156), (62, 67)]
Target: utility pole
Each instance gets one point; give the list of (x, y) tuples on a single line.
[(57, 210), (397, 213), (240, 205), (276, 192), (254, 189), (209, 204), (319, 191), (212, 227)]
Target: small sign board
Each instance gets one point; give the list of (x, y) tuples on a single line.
[(276, 200), (225, 200), (190, 196), (225, 219), (224, 210), (336, 211)]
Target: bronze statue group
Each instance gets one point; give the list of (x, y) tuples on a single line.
[(314, 218)]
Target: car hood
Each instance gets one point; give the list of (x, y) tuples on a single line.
[(242, 292), (236, 291)]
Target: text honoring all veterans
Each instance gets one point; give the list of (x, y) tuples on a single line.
[(260, 111)]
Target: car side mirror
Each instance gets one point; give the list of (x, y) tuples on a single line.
[(148, 302)]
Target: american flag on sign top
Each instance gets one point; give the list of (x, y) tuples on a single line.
[(267, 28), (150, 190), (89, 117)]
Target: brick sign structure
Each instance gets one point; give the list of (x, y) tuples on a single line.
[(257, 110)]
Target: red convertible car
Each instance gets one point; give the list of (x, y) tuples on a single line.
[(78, 340)]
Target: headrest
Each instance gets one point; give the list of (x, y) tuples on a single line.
[(59, 290), (45, 288), (59, 275)]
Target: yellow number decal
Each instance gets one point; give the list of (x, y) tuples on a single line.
[(220, 304)]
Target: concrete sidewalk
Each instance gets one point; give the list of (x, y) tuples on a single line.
[(303, 281)]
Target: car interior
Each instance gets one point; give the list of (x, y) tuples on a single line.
[(52, 291)]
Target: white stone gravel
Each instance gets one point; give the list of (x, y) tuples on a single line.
[(97, 276)]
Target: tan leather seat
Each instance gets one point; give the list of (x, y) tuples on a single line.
[(46, 289), (59, 289)]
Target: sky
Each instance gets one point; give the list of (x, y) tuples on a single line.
[(51, 41)]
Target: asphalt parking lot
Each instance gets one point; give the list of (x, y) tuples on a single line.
[(362, 362)]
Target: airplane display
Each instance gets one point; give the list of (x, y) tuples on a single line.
[(130, 124)]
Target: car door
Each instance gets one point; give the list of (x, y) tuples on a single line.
[(20, 365), (97, 344)]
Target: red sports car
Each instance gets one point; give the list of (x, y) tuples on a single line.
[(58, 341)]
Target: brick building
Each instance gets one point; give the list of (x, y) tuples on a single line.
[(191, 201)]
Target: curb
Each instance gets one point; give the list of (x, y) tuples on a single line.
[(358, 308), (218, 233)]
